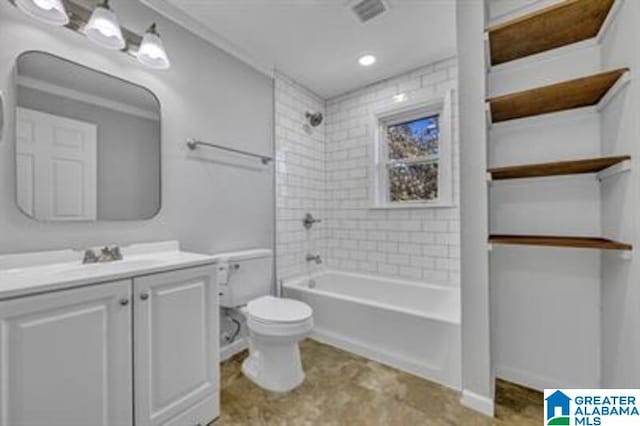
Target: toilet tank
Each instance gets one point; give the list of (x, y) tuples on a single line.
[(243, 276)]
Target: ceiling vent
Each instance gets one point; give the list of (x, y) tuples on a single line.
[(366, 10)]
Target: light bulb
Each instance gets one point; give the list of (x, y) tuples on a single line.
[(151, 52), (367, 60), (103, 28), (49, 11)]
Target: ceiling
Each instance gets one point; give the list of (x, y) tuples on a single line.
[(318, 42)]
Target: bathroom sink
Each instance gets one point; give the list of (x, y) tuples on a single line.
[(28, 273), (79, 269)]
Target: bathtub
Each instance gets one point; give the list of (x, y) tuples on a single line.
[(411, 326)]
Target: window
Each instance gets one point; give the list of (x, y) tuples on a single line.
[(412, 165)]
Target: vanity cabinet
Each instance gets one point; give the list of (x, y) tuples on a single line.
[(176, 347), (97, 354), (67, 359)]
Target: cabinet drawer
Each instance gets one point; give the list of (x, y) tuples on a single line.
[(201, 414)]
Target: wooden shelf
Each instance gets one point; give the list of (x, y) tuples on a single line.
[(591, 165), (559, 25), (559, 241), (578, 93)]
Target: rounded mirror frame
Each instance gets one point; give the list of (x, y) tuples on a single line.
[(70, 61)]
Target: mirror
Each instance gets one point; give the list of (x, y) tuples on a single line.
[(87, 143)]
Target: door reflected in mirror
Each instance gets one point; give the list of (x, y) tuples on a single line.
[(87, 143)]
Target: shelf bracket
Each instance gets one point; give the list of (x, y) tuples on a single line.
[(487, 113), (616, 169), (620, 84), (625, 254), (613, 12), (487, 51), (489, 177), (490, 247)]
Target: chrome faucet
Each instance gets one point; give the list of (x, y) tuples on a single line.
[(107, 254), (309, 220), (89, 257), (314, 258)]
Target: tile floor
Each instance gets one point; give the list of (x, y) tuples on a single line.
[(345, 389)]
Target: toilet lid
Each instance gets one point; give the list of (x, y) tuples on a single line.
[(274, 309)]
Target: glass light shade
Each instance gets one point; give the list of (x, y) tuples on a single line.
[(49, 11), (151, 52), (103, 28)]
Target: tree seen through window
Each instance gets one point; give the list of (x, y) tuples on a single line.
[(413, 148)]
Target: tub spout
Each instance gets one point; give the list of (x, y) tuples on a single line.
[(314, 258)]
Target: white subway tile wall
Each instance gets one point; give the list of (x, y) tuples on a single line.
[(300, 178), (327, 172)]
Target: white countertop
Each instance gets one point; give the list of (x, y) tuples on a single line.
[(30, 273)]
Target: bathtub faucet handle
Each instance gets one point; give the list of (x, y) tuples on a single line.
[(309, 220)]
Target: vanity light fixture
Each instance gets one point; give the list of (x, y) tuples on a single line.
[(103, 28), (151, 52), (49, 11)]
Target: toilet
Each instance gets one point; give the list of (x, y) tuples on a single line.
[(276, 325)]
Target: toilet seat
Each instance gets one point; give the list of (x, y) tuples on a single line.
[(272, 316), (274, 310)]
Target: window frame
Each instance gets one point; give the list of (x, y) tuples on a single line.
[(400, 112)]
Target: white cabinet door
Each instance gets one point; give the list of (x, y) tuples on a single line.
[(176, 348), (65, 358), (56, 166)]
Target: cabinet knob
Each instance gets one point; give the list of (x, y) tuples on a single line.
[(144, 296), (124, 301)]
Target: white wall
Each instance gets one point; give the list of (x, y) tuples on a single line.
[(620, 208), (208, 205), (300, 178), (477, 372), (419, 244)]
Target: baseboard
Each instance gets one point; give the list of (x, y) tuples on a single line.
[(478, 403), (530, 380), (227, 351), (392, 360)]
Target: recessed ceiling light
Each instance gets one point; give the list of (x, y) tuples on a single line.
[(367, 60), (400, 97)]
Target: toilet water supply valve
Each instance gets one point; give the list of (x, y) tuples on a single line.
[(223, 273), (230, 338)]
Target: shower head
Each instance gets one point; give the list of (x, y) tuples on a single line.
[(315, 118)]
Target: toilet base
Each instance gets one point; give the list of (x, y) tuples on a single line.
[(276, 368)]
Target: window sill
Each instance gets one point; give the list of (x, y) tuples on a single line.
[(435, 205)]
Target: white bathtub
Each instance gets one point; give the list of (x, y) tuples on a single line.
[(410, 326)]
